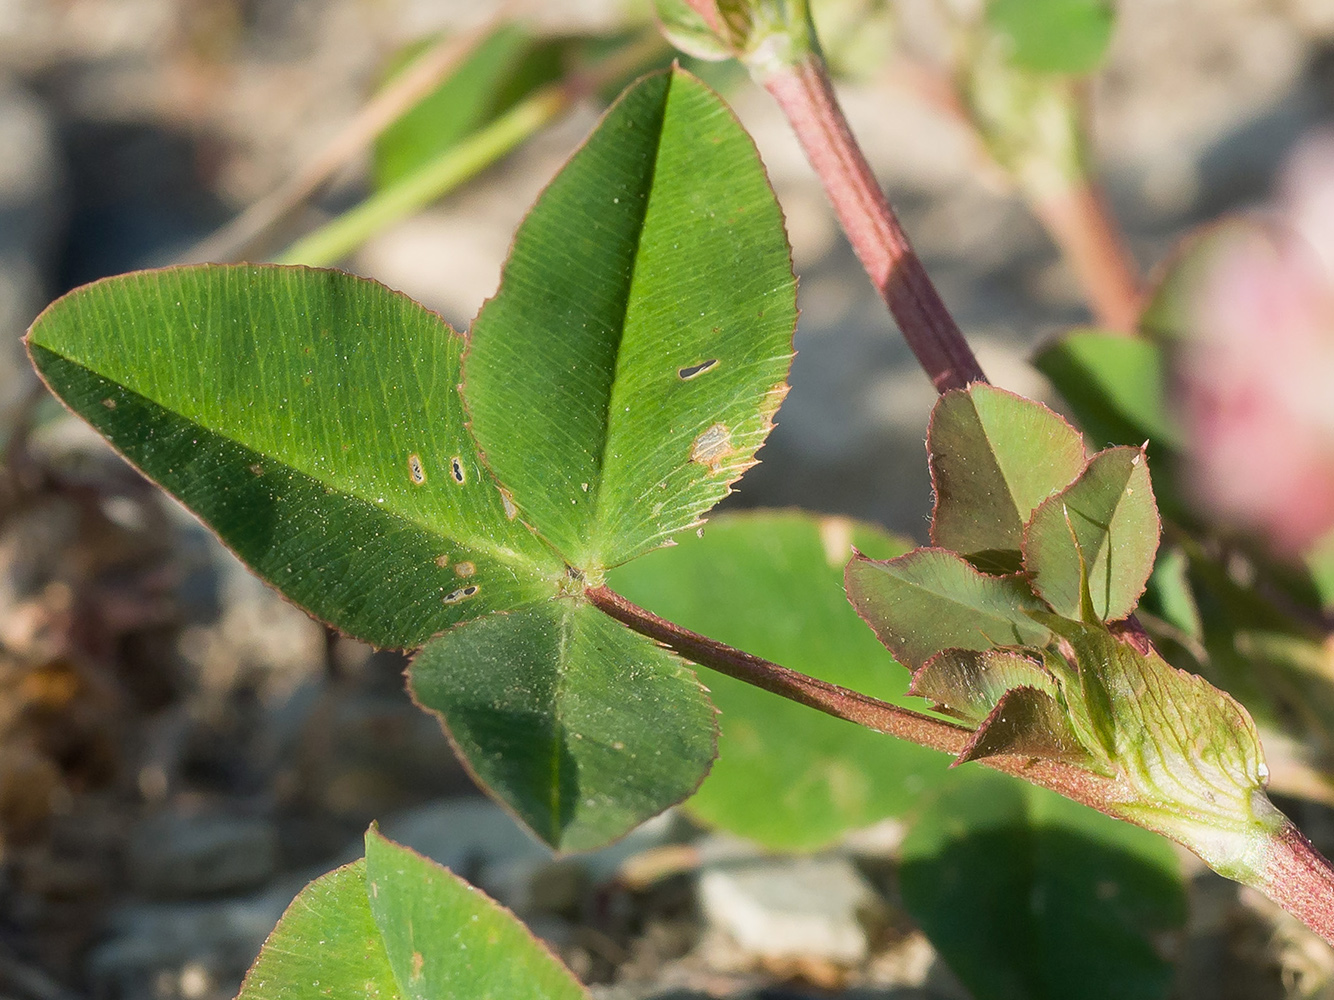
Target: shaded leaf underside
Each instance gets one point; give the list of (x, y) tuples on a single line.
[(931, 600), (581, 726), (967, 683), (1029, 896)]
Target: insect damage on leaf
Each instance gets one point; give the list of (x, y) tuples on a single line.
[(690, 371), (454, 596), (712, 447)]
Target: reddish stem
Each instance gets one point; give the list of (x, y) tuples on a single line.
[(1091, 789), (1295, 875), (806, 95), (1082, 226), (1301, 880)]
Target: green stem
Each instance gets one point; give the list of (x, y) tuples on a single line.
[(451, 168), (339, 237), (246, 233)]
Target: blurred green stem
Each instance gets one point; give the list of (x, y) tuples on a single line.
[(451, 168), (245, 233), (336, 239)]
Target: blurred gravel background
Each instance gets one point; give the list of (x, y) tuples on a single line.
[(180, 750)]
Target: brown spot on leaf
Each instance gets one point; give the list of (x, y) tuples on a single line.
[(442, 560), (109, 403), (712, 447), (257, 469), (508, 501), (418, 963), (465, 569)]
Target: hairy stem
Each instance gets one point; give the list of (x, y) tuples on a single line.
[(1300, 879), (806, 95), (1294, 874), (1091, 789)]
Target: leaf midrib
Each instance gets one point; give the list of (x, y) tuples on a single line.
[(593, 555), (983, 583), (479, 541), (1013, 509), (558, 730)]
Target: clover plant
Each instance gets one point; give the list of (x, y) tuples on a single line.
[(511, 502)]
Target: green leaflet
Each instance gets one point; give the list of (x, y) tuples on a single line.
[(932, 600), (994, 457), (1104, 529), (312, 419), (636, 353), (396, 926), (633, 359), (582, 727), (770, 582)]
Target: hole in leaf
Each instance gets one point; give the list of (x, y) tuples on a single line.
[(454, 596), (415, 469), (690, 371), (456, 467), (508, 501)]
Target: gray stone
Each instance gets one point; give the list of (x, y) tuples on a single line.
[(173, 855), (793, 908), (222, 937), (478, 840)]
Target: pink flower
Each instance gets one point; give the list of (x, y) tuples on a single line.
[(1256, 373)]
